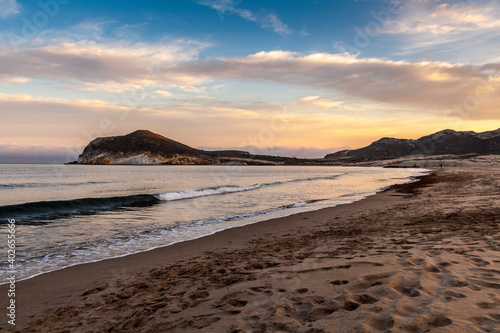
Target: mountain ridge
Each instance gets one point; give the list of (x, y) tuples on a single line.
[(146, 147), (449, 142)]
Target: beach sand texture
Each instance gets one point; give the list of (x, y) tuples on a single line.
[(421, 257)]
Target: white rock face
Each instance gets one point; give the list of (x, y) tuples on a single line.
[(139, 159), (84, 159)]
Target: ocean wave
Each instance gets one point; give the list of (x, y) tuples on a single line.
[(304, 180), (53, 208), (22, 185), (190, 194), (61, 208), (301, 203), (27, 185)]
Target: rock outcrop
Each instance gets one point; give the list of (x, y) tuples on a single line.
[(144, 147), (140, 147)]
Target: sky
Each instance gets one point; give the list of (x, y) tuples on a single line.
[(283, 77)]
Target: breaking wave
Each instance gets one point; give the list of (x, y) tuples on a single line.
[(59, 208), (190, 194)]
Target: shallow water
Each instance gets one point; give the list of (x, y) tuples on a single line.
[(71, 214)]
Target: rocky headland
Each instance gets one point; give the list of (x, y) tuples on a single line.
[(445, 148)]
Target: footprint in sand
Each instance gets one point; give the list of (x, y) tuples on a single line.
[(456, 282), (406, 285), (236, 302), (488, 322), (362, 299), (339, 282), (425, 323), (378, 323), (449, 296), (266, 290), (232, 301), (372, 280), (203, 322), (483, 283), (302, 291), (350, 306), (479, 262), (431, 269), (320, 312), (489, 304), (414, 261), (491, 274)]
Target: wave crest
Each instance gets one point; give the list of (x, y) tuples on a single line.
[(189, 194)]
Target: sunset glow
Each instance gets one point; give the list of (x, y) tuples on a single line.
[(285, 77)]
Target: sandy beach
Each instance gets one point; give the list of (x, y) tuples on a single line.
[(421, 257)]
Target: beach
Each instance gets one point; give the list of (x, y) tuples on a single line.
[(415, 258)]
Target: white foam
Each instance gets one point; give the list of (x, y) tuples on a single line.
[(189, 194)]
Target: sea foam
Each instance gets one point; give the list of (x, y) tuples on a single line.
[(189, 194)]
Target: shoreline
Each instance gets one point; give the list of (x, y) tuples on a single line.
[(87, 283), (112, 265), (409, 179)]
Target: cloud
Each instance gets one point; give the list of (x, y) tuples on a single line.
[(230, 7), (163, 93), (96, 29), (117, 67), (13, 79), (130, 30), (220, 123), (9, 8), (324, 103), (20, 154), (27, 119), (96, 65), (441, 17), (49, 121), (445, 26), (87, 105), (428, 86), (120, 67)]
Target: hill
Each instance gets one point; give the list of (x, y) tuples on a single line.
[(447, 142), (146, 147)]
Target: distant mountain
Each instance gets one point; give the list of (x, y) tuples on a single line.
[(447, 142), (146, 147)]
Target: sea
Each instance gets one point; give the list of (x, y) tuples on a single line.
[(67, 215)]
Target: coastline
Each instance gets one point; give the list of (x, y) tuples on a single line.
[(254, 217), (72, 287)]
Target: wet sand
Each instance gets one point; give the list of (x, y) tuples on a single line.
[(416, 258)]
